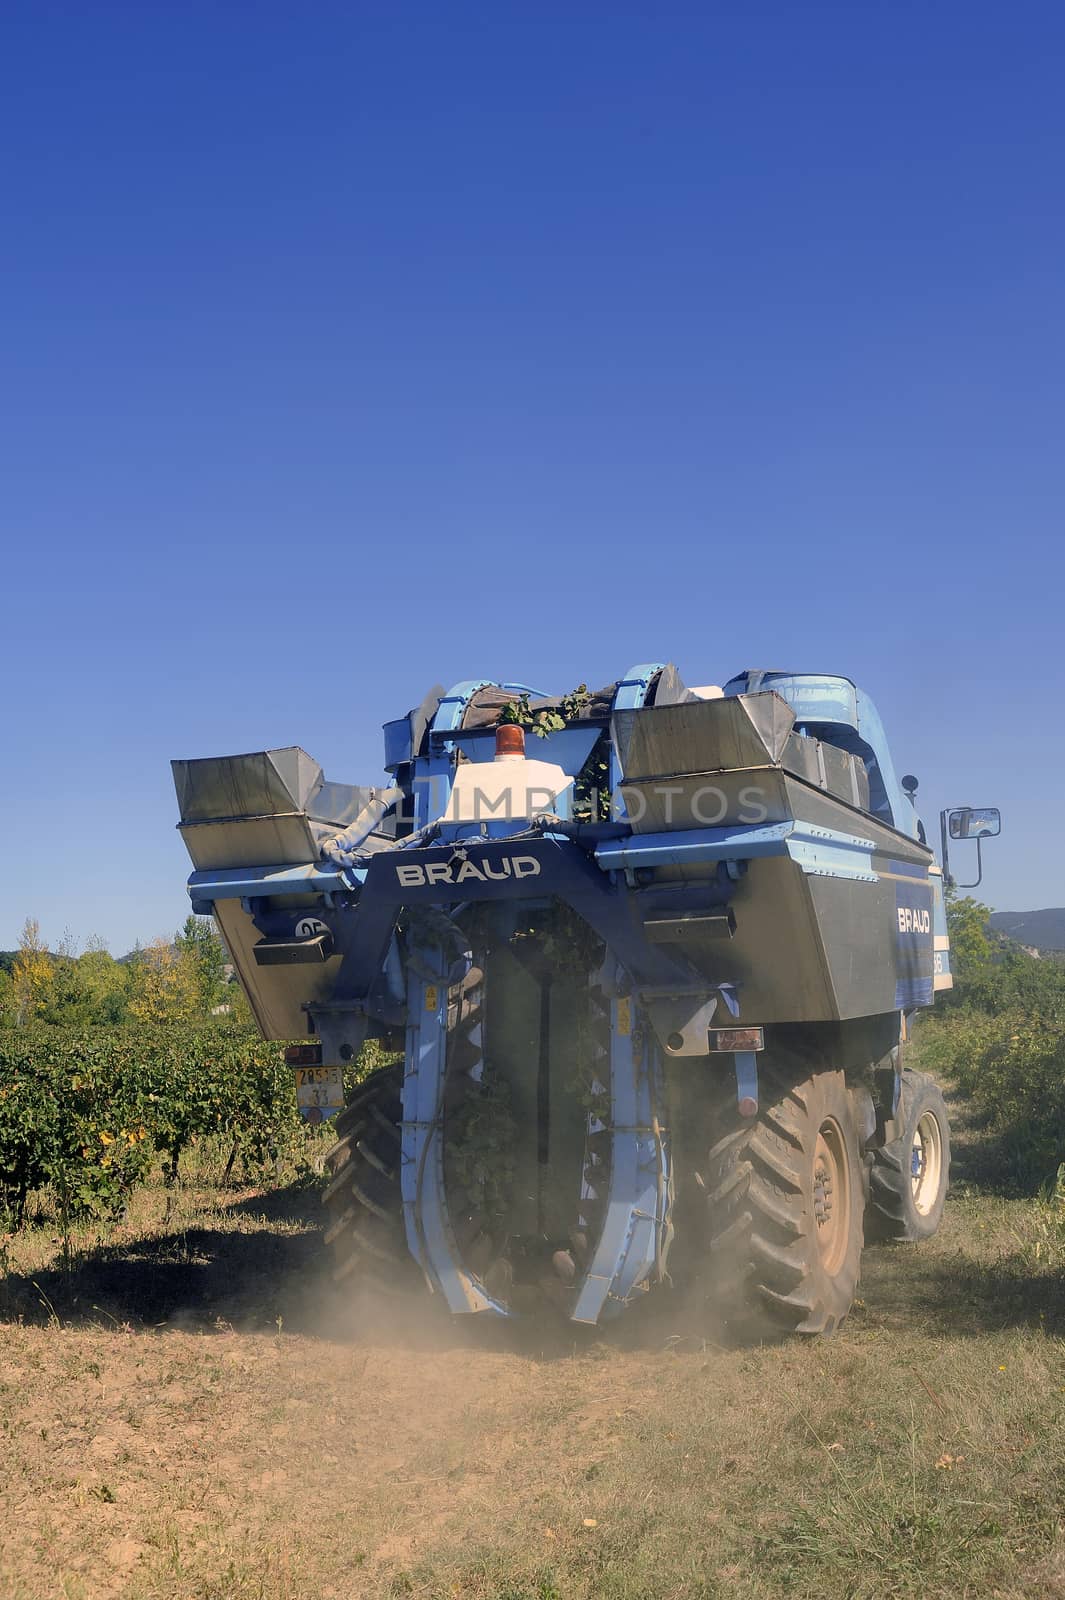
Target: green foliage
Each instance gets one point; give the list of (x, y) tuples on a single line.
[(85, 1110), (563, 942), (480, 1152), (8, 999), (1045, 1244), (86, 990), (374, 1055), (970, 948), (1002, 1042), (31, 973), (541, 723), (1010, 1065), (1014, 981), (199, 942)]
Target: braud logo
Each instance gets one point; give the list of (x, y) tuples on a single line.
[(414, 876), (912, 921)]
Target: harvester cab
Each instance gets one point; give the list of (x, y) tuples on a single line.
[(643, 958)]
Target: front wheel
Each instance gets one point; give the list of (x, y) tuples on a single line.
[(786, 1196), (908, 1183)]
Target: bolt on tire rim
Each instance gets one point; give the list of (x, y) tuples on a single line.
[(832, 1195), (926, 1163)]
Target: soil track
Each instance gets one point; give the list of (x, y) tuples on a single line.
[(193, 1412)]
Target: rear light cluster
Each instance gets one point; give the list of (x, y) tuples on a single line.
[(735, 1039), (303, 1055)]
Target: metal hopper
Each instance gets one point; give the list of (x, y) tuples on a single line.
[(275, 808), (778, 819)]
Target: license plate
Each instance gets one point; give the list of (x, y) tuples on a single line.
[(319, 1092)]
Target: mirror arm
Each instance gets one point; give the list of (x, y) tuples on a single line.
[(944, 852), (979, 868)]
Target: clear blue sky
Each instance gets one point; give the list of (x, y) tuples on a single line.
[(350, 347)]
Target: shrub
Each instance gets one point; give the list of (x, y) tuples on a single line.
[(1004, 1048), (86, 1110)]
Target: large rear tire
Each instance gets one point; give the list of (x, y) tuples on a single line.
[(908, 1183), (786, 1197), (363, 1203)]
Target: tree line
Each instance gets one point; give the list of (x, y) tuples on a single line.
[(176, 981)]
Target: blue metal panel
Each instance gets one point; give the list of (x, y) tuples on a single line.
[(246, 883), (745, 1065), (826, 853), (452, 708), (906, 869), (650, 1211), (429, 1236), (433, 776), (816, 850), (871, 730), (630, 695), (635, 1215), (524, 688), (942, 974), (631, 692), (397, 743), (939, 908), (914, 944), (535, 868), (911, 992), (745, 840)]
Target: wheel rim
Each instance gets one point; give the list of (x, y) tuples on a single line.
[(832, 1195), (926, 1163)]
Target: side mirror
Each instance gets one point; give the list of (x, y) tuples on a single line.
[(968, 822)]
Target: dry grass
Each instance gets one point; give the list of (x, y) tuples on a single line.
[(189, 1412)]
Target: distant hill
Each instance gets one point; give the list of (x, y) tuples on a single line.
[(1042, 930)]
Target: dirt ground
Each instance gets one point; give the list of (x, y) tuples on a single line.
[(188, 1410)]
